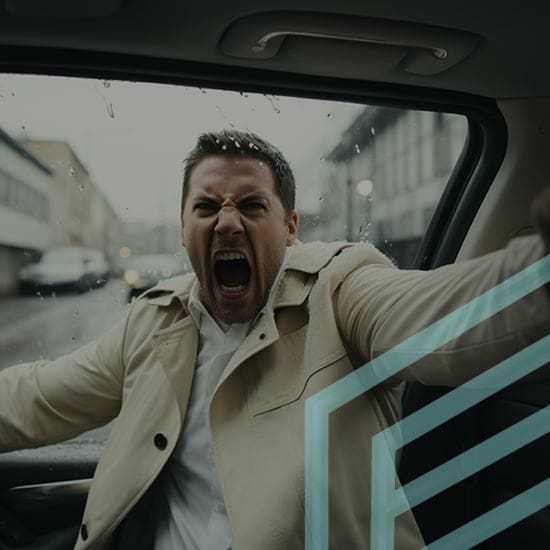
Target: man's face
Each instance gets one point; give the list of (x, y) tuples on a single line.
[(236, 231)]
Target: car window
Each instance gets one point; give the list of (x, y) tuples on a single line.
[(92, 169)]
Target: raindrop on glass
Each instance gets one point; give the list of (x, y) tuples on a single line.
[(357, 149), (372, 131), (40, 296), (81, 187), (76, 313), (110, 109), (72, 171), (329, 115), (271, 100), (224, 147), (106, 84), (237, 144), (364, 231)]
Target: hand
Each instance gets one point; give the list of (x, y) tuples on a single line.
[(541, 215)]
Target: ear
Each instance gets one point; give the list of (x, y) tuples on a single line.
[(293, 221)]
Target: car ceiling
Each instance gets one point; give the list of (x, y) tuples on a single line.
[(493, 49)]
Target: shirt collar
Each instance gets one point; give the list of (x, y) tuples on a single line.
[(197, 308)]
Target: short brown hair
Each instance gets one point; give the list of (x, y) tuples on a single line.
[(232, 143)]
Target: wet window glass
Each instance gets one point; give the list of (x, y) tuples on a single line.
[(90, 184)]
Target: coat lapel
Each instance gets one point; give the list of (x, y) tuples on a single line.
[(176, 346), (293, 291), (176, 349)]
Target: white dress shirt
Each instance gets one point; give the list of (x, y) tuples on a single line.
[(189, 506)]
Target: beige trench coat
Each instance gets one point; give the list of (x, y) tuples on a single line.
[(337, 307)]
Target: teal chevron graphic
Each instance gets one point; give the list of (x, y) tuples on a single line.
[(388, 502)]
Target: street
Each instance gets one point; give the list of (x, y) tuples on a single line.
[(36, 327)]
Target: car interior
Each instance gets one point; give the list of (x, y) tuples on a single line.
[(486, 61)]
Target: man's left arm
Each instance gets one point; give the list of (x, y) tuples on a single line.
[(377, 308)]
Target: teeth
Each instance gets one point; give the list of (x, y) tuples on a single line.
[(230, 256), (238, 288)]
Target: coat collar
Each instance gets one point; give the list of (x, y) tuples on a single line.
[(305, 260), (180, 340)]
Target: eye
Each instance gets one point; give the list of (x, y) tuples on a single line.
[(205, 207), (252, 206)]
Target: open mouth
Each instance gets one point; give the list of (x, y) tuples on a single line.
[(232, 272)]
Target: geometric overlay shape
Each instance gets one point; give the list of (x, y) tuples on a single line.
[(388, 502)]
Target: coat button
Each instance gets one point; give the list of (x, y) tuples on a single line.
[(84, 531), (160, 441)]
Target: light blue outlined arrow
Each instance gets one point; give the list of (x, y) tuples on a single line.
[(319, 406), (387, 503), (495, 520)]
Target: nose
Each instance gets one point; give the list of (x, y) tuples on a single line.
[(229, 221)]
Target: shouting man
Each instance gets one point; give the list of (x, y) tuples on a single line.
[(208, 374)]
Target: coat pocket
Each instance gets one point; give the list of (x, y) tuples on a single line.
[(279, 376)]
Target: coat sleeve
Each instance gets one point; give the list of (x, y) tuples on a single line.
[(49, 401), (378, 307)]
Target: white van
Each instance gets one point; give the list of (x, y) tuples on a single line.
[(65, 268)]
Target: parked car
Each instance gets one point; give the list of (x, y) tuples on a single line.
[(485, 61), (65, 268), (145, 271)]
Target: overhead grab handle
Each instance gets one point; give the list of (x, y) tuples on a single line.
[(263, 42), (429, 50)]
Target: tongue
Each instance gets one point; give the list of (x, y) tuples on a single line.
[(232, 272)]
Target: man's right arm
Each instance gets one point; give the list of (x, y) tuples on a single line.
[(49, 401)]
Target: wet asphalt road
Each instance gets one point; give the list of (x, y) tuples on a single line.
[(36, 327), (45, 327)]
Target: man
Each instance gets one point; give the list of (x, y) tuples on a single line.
[(209, 375)]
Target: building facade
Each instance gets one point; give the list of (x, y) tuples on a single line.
[(80, 214), (386, 175), (25, 229), (47, 199)]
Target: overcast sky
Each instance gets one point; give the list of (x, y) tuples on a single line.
[(132, 137)]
